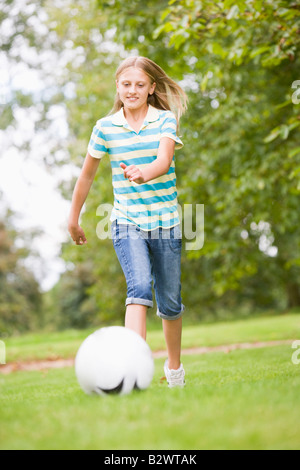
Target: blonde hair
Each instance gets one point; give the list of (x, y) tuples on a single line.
[(167, 94)]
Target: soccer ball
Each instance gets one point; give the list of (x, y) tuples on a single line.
[(114, 360)]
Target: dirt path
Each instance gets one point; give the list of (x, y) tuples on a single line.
[(57, 363)]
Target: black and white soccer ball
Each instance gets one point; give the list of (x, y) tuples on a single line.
[(114, 360)]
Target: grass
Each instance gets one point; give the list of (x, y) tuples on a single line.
[(242, 400), (66, 343), (246, 399)]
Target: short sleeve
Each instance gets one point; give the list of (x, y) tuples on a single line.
[(97, 146), (169, 129)]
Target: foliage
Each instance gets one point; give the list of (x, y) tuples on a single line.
[(20, 298), (239, 62), (89, 292)]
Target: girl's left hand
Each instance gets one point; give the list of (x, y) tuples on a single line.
[(133, 173)]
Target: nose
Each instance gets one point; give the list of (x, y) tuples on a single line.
[(132, 89)]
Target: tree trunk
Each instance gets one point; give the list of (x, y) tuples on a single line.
[(293, 292)]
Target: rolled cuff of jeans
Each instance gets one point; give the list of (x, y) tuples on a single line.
[(172, 316), (135, 301)]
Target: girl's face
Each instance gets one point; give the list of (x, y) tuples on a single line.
[(134, 87)]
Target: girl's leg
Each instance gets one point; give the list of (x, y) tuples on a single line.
[(133, 253), (166, 262), (135, 319), (173, 330)]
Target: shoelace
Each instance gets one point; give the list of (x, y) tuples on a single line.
[(176, 377)]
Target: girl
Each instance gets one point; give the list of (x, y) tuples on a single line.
[(140, 137)]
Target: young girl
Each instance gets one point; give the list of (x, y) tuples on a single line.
[(140, 137)]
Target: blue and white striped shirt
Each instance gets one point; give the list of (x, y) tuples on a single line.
[(150, 205)]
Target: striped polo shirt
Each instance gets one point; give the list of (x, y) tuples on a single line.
[(150, 205)]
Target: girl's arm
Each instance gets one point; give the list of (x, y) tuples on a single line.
[(80, 194), (157, 168)]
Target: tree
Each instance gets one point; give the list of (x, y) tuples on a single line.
[(20, 297), (89, 292), (240, 61)]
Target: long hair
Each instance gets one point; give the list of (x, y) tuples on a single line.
[(167, 94)]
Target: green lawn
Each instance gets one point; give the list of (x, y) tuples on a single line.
[(66, 343), (247, 399)]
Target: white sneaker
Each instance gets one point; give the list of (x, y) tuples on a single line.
[(175, 378)]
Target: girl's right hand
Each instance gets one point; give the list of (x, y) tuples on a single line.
[(77, 235)]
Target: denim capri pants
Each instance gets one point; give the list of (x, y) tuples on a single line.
[(151, 256)]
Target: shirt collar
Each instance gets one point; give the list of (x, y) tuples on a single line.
[(120, 120)]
